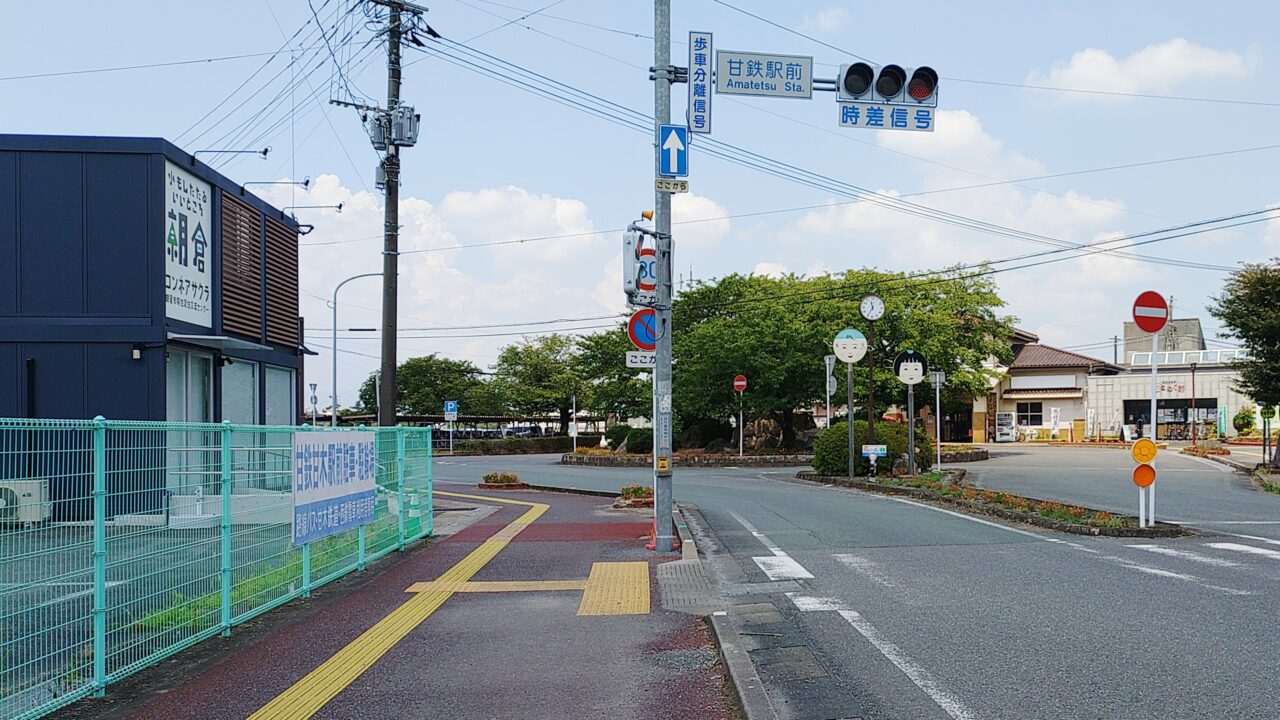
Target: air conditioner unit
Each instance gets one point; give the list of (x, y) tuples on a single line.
[(24, 501)]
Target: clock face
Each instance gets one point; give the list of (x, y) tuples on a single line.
[(872, 307)]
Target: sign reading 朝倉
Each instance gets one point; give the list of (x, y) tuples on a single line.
[(886, 117), (747, 73), (700, 82), (334, 482), (188, 220)]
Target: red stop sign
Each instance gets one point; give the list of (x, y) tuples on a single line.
[(740, 383), (1150, 311)]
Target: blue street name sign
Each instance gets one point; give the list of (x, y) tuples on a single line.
[(674, 156)]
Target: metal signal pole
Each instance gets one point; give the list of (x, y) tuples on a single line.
[(662, 77)]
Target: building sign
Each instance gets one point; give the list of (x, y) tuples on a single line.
[(764, 74), (886, 117), (188, 218), (1169, 386), (700, 82), (334, 483)]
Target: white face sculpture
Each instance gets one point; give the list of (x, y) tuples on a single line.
[(911, 372), (850, 349)]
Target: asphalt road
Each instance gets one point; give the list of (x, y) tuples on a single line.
[(859, 605)]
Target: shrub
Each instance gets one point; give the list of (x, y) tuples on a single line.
[(616, 434), (640, 440), (519, 445), (501, 478), (830, 450), (1243, 421), (632, 492)]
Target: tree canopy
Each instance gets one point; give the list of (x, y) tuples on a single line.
[(539, 375), (426, 382), (1247, 308)]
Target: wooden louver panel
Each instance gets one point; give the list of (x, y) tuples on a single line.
[(282, 285), (241, 268)]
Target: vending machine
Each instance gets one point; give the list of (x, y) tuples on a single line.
[(1005, 430)]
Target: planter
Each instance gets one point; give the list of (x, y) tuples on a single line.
[(502, 486), (1161, 529), (633, 503)]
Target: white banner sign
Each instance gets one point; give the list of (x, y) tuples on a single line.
[(876, 116), (188, 254), (334, 482), (700, 82), (641, 359), (747, 73)]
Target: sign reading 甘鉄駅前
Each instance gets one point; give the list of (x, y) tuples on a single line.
[(334, 482), (188, 252)]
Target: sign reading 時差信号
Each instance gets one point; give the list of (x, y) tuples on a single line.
[(188, 254), (764, 74), (886, 117), (334, 483)]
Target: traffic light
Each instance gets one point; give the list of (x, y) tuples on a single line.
[(888, 84), (631, 242)]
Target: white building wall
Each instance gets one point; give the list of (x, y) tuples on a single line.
[(1106, 393)]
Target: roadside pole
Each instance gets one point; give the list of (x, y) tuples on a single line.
[(938, 378), (573, 418), (740, 423), (1151, 312), (663, 539), (827, 380), (849, 345), (1151, 491), (911, 429), (848, 383)]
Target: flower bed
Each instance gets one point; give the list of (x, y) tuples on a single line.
[(950, 489), (634, 496), (502, 481)]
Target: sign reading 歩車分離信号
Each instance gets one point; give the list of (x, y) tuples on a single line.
[(188, 253), (764, 74), (700, 49), (334, 482)]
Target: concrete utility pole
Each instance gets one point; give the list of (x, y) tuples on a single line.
[(391, 229), (662, 76)]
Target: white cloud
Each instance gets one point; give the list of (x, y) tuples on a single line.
[(699, 220), (1159, 68), (826, 20), (770, 269)]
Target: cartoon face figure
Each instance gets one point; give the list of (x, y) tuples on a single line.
[(911, 372), (850, 345)]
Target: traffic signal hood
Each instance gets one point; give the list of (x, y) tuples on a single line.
[(863, 82)]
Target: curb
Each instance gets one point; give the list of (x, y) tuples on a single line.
[(573, 491), (688, 461)]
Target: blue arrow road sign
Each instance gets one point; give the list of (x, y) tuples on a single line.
[(674, 156)]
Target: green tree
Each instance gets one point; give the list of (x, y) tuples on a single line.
[(426, 382), (539, 375), (1247, 308), (776, 331), (615, 388)]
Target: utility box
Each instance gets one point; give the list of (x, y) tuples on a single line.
[(404, 126)]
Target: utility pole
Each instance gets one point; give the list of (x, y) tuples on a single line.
[(662, 77), (1115, 349), (391, 232)]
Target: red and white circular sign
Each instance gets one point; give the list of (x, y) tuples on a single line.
[(648, 280), (740, 383), (1150, 311)]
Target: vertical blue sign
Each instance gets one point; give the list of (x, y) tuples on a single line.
[(673, 151), (700, 82), (334, 483)]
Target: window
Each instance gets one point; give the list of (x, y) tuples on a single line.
[(1030, 413), (281, 405), (240, 392)]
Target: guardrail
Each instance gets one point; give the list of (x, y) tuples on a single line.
[(123, 543)]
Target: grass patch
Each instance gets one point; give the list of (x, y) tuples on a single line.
[(1074, 514), (501, 478), (636, 492)]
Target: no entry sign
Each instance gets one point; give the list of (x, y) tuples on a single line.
[(642, 328), (740, 383), (1150, 311)]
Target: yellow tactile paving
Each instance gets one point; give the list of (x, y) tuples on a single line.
[(616, 588), (305, 697), (478, 586)]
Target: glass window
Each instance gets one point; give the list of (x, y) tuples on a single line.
[(1030, 413), (175, 373), (240, 392), (1176, 358), (281, 403), (1209, 356)]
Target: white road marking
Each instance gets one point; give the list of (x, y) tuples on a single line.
[(949, 703), (764, 539), (806, 603), (1269, 541), (1211, 463), (867, 567), (1187, 555), (1237, 547), (1230, 522), (782, 568)]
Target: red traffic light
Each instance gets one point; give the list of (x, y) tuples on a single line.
[(924, 82), (890, 82), (857, 79)]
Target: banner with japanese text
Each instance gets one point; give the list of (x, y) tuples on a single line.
[(334, 482)]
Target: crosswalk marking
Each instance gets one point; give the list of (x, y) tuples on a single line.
[(1237, 547), (1187, 555)]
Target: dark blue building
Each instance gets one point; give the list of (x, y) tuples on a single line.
[(137, 283)]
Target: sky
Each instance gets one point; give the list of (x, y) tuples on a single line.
[(496, 164)]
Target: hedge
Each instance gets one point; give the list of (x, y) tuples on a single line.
[(523, 445), (616, 434), (831, 449), (640, 440)]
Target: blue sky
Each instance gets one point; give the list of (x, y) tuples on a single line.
[(495, 163)]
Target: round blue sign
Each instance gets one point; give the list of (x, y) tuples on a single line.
[(642, 328)]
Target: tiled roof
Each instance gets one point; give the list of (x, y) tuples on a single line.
[(1035, 355), (1043, 393)]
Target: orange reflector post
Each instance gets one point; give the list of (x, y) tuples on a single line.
[(1144, 475)]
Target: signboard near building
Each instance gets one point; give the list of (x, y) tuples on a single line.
[(334, 483), (188, 254)]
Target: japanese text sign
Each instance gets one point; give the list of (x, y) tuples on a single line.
[(700, 49), (886, 117), (745, 73), (188, 257), (334, 482)]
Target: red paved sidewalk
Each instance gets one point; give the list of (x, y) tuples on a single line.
[(480, 655)]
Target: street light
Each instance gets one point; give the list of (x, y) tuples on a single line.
[(333, 415)]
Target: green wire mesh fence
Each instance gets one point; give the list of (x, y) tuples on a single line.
[(122, 543)]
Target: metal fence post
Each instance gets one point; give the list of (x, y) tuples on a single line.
[(225, 435), (306, 570), (360, 538), (400, 479), (99, 555), (430, 506)]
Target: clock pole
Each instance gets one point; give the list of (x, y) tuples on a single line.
[(871, 382)]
